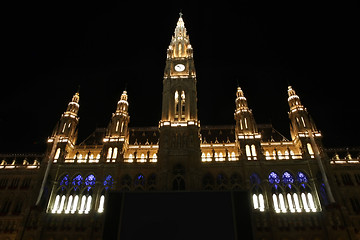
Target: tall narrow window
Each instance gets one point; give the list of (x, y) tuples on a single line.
[(248, 152), (303, 121), (208, 157), (109, 154), (115, 152), (233, 156), (101, 204), (310, 150), (253, 151), (63, 130), (57, 155), (154, 158), (182, 105), (246, 124), (203, 157), (117, 126), (122, 127), (176, 105), (130, 158)]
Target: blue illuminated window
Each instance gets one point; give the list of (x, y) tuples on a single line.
[(274, 178), (140, 180), (77, 181), (255, 179), (108, 180), (287, 178), (65, 180), (301, 177), (90, 180)]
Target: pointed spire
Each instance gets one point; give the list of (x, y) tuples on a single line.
[(241, 102), (123, 103), (76, 97), (73, 106), (180, 44), (294, 100)]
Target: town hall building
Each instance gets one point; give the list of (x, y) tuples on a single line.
[(294, 188)]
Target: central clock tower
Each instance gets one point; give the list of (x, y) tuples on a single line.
[(179, 145)]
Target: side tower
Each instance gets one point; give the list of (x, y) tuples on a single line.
[(302, 127), (246, 131), (117, 135), (66, 130), (179, 145)]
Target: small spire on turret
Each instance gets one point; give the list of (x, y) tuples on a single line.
[(123, 104)]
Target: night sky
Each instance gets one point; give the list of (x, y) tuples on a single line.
[(53, 47)]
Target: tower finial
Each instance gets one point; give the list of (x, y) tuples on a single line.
[(180, 13)]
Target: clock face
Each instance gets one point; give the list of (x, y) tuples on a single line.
[(179, 67)]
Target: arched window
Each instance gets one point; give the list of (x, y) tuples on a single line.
[(114, 155), (139, 181), (221, 157), (142, 158), (117, 126), (208, 182), (176, 96), (154, 158), (183, 105), (130, 158), (235, 181), (216, 156), (109, 154), (101, 203), (287, 178), (178, 183), (77, 181), (291, 194), (286, 154), (233, 156), (310, 150), (152, 182), (255, 179), (222, 181), (208, 157), (253, 151), (108, 182), (60, 196), (203, 157), (267, 155), (301, 177), (307, 199), (277, 193), (248, 152), (90, 181), (257, 193), (274, 178), (64, 180), (126, 183), (57, 155)]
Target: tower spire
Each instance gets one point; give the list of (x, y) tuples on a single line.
[(180, 46)]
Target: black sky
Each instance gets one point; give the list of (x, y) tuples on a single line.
[(53, 47)]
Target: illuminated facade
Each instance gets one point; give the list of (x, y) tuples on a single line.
[(298, 189)]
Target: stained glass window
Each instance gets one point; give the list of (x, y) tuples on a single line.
[(287, 178), (301, 177), (140, 180), (255, 179), (77, 181), (90, 180), (274, 178), (108, 180), (64, 180)]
